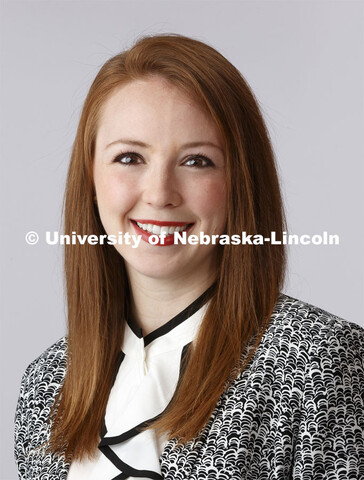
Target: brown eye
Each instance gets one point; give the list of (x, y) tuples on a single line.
[(199, 161), (128, 158)]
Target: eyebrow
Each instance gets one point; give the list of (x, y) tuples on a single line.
[(137, 143)]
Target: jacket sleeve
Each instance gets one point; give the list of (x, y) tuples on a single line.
[(330, 441), (21, 439), (40, 385)]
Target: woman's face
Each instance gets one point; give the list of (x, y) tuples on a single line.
[(159, 162)]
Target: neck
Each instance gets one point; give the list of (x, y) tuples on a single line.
[(156, 301)]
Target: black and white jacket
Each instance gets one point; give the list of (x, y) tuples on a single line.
[(296, 412)]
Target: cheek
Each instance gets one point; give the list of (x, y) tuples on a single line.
[(115, 192), (208, 199)]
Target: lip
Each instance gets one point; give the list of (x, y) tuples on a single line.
[(169, 240), (161, 223)]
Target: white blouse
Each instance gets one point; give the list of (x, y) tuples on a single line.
[(147, 376)]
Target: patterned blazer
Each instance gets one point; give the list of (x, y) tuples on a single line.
[(296, 411)]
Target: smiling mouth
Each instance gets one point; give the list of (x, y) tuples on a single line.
[(156, 227)]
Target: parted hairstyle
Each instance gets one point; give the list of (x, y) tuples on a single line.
[(249, 277)]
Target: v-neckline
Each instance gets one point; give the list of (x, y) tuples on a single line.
[(173, 322)]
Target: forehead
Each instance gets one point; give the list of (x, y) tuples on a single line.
[(155, 109)]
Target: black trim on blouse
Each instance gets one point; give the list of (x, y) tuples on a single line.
[(134, 327), (105, 442), (137, 429), (175, 321), (104, 445), (126, 470)]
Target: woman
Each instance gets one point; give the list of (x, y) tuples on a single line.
[(185, 361)]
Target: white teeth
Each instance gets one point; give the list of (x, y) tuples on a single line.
[(157, 230)]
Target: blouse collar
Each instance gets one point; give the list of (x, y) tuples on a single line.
[(178, 331)]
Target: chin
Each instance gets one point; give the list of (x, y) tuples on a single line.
[(152, 266), (157, 272)]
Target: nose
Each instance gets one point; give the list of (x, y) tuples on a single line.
[(160, 187)]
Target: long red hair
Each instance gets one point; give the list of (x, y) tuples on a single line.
[(249, 277)]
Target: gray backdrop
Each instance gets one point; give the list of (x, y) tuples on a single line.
[(304, 61)]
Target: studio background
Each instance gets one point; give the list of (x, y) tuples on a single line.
[(304, 61)]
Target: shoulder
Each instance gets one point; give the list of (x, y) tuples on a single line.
[(334, 349), (297, 406), (302, 340), (318, 329), (319, 370), (309, 362), (54, 355), (48, 369), (325, 342), (39, 387), (298, 320)]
